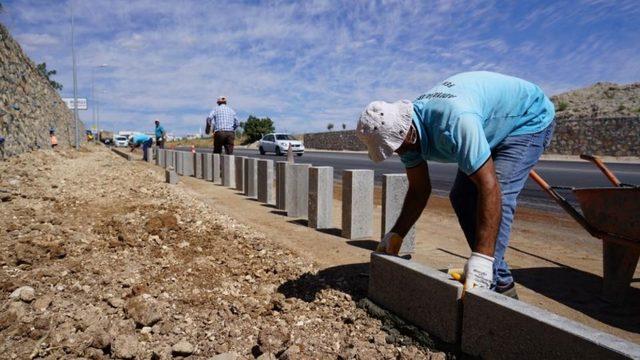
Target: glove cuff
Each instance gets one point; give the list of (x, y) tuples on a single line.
[(478, 255)]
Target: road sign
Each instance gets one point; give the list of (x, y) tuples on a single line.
[(82, 103)]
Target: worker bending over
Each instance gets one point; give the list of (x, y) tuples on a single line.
[(495, 127), (143, 140)]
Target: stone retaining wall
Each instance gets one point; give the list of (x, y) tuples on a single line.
[(334, 140), (29, 106), (599, 136)]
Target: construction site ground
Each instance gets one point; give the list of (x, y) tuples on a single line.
[(123, 265)]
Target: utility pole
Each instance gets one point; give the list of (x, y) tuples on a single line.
[(75, 79), (94, 101)]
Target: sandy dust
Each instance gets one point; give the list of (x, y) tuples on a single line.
[(101, 259)]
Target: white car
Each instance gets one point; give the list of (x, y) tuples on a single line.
[(120, 141), (279, 144)]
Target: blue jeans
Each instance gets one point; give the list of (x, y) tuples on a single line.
[(513, 159), (145, 145)]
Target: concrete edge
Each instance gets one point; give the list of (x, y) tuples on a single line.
[(123, 154), (611, 344), (433, 301)]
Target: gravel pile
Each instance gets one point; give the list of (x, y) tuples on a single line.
[(101, 259)]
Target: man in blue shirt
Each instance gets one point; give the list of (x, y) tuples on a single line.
[(223, 122), (495, 127), (161, 135), (136, 140)]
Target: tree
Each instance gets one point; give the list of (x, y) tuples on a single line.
[(344, 126), (330, 126), (42, 69), (255, 128)]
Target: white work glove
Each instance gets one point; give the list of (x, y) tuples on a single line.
[(390, 244), (478, 271)]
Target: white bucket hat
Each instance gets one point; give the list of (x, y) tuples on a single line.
[(383, 127)]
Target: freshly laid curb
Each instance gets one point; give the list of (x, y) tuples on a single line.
[(421, 295), (497, 327), (123, 154)]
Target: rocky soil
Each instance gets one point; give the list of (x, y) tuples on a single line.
[(599, 100), (101, 259)]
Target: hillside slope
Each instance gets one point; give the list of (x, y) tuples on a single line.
[(602, 99)]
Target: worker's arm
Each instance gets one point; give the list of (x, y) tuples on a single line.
[(489, 208), (416, 199)]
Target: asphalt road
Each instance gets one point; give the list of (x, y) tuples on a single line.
[(556, 173)]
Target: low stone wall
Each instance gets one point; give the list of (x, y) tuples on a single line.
[(29, 106), (334, 140), (599, 136)]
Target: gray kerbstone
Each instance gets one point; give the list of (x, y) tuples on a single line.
[(125, 155), (297, 189), (207, 166), (198, 165), (320, 211), (188, 162), (171, 177), (168, 157), (265, 181), (216, 167), (251, 177), (179, 160), (357, 204), (161, 155), (228, 171), (240, 172), (150, 156), (281, 184), (418, 294), (394, 189), (497, 327)]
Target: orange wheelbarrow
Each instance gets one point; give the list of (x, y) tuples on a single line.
[(611, 214)]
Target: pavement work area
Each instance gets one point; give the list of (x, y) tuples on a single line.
[(556, 263), (107, 258)]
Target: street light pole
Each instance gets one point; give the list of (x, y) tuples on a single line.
[(75, 79), (94, 102)]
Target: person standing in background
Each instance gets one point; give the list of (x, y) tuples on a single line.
[(54, 139), (223, 122), (1, 148), (161, 135)]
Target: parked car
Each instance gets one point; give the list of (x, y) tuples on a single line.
[(279, 144), (120, 141)]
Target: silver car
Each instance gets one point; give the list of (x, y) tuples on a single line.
[(120, 141), (279, 144)]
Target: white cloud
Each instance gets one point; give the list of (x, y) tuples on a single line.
[(308, 63)]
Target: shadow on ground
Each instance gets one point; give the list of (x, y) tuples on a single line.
[(305, 223), (581, 291), (352, 279)]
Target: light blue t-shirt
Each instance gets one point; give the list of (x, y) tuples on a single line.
[(138, 139), (159, 131), (466, 116)]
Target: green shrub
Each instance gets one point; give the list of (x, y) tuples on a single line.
[(562, 106)]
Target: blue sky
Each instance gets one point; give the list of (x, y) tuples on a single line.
[(308, 63)]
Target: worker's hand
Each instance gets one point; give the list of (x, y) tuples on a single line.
[(390, 244), (478, 271)]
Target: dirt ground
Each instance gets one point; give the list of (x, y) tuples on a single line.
[(557, 265), (101, 259)]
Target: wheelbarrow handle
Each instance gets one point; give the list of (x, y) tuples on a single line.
[(605, 170), (564, 204)]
